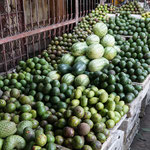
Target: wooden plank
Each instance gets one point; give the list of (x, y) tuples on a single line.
[(136, 104), (117, 126), (118, 144), (131, 136), (143, 84), (128, 125), (117, 136)]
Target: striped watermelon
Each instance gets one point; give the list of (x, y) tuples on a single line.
[(108, 40), (100, 29), (68, 78)]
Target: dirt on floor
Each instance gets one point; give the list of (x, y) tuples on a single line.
[(142, 139)]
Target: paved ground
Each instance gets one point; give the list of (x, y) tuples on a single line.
[(142, 139)]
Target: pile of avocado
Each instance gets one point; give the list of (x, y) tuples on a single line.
[(62, 44), (28, 123), (125, 24), (107, 8), (133, 7), (39, 111)]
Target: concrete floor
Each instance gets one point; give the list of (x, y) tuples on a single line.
[(142, 139)]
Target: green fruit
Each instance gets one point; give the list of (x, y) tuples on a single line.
[(25, 108), (129, 97), (40, 139), (36, 148), (26, 116), (28, 134), (22, 125), (103, 97), (87, 147), (110, 123), (25, 100), (50, 146), (99, 106), (99, 127), (73, 121), (111, 79), (93, 100), (78, 142), (111, 105), (7, 128), (2, 103), (89, 122), (101, 137), (1, 143), (111, 114), (78, 112), (15, 93), (96, 118), (59, 140), (90, 138), (14, 142), (96, 145)]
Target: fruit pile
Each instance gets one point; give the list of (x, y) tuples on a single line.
[(83, 124), (146, 15), (35, 66), (124, 24), (62, 44), (107, 8), (77, 89), (132, 7), (113, 80)]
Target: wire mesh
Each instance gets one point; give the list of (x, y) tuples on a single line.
[(27, 26)]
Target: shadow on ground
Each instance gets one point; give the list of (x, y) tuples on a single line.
[(142, 139)]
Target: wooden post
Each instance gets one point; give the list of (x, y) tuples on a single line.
[(77, 11)]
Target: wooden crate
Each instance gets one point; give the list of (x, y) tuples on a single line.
[(117, 126), (131, 135), (143, 84), (136, 16), (128, 125), (118, 143), (145, 102), (114, 141), (135, 105)]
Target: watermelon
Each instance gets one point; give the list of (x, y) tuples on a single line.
[(82, 80), (79, 48), (92, 39), (95, 51), (97, 64), (68, 78), (108, 40), (100, 29), (110, 53)]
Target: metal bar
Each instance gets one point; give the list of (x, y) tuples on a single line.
[(37, 15), (31, 19), (49, 13), (67, 8), (12, 53), (17, 21), (54, 16), (40, 30), (77, 11), (1, 27), (8, 14), (64, 16), (5, 63)]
